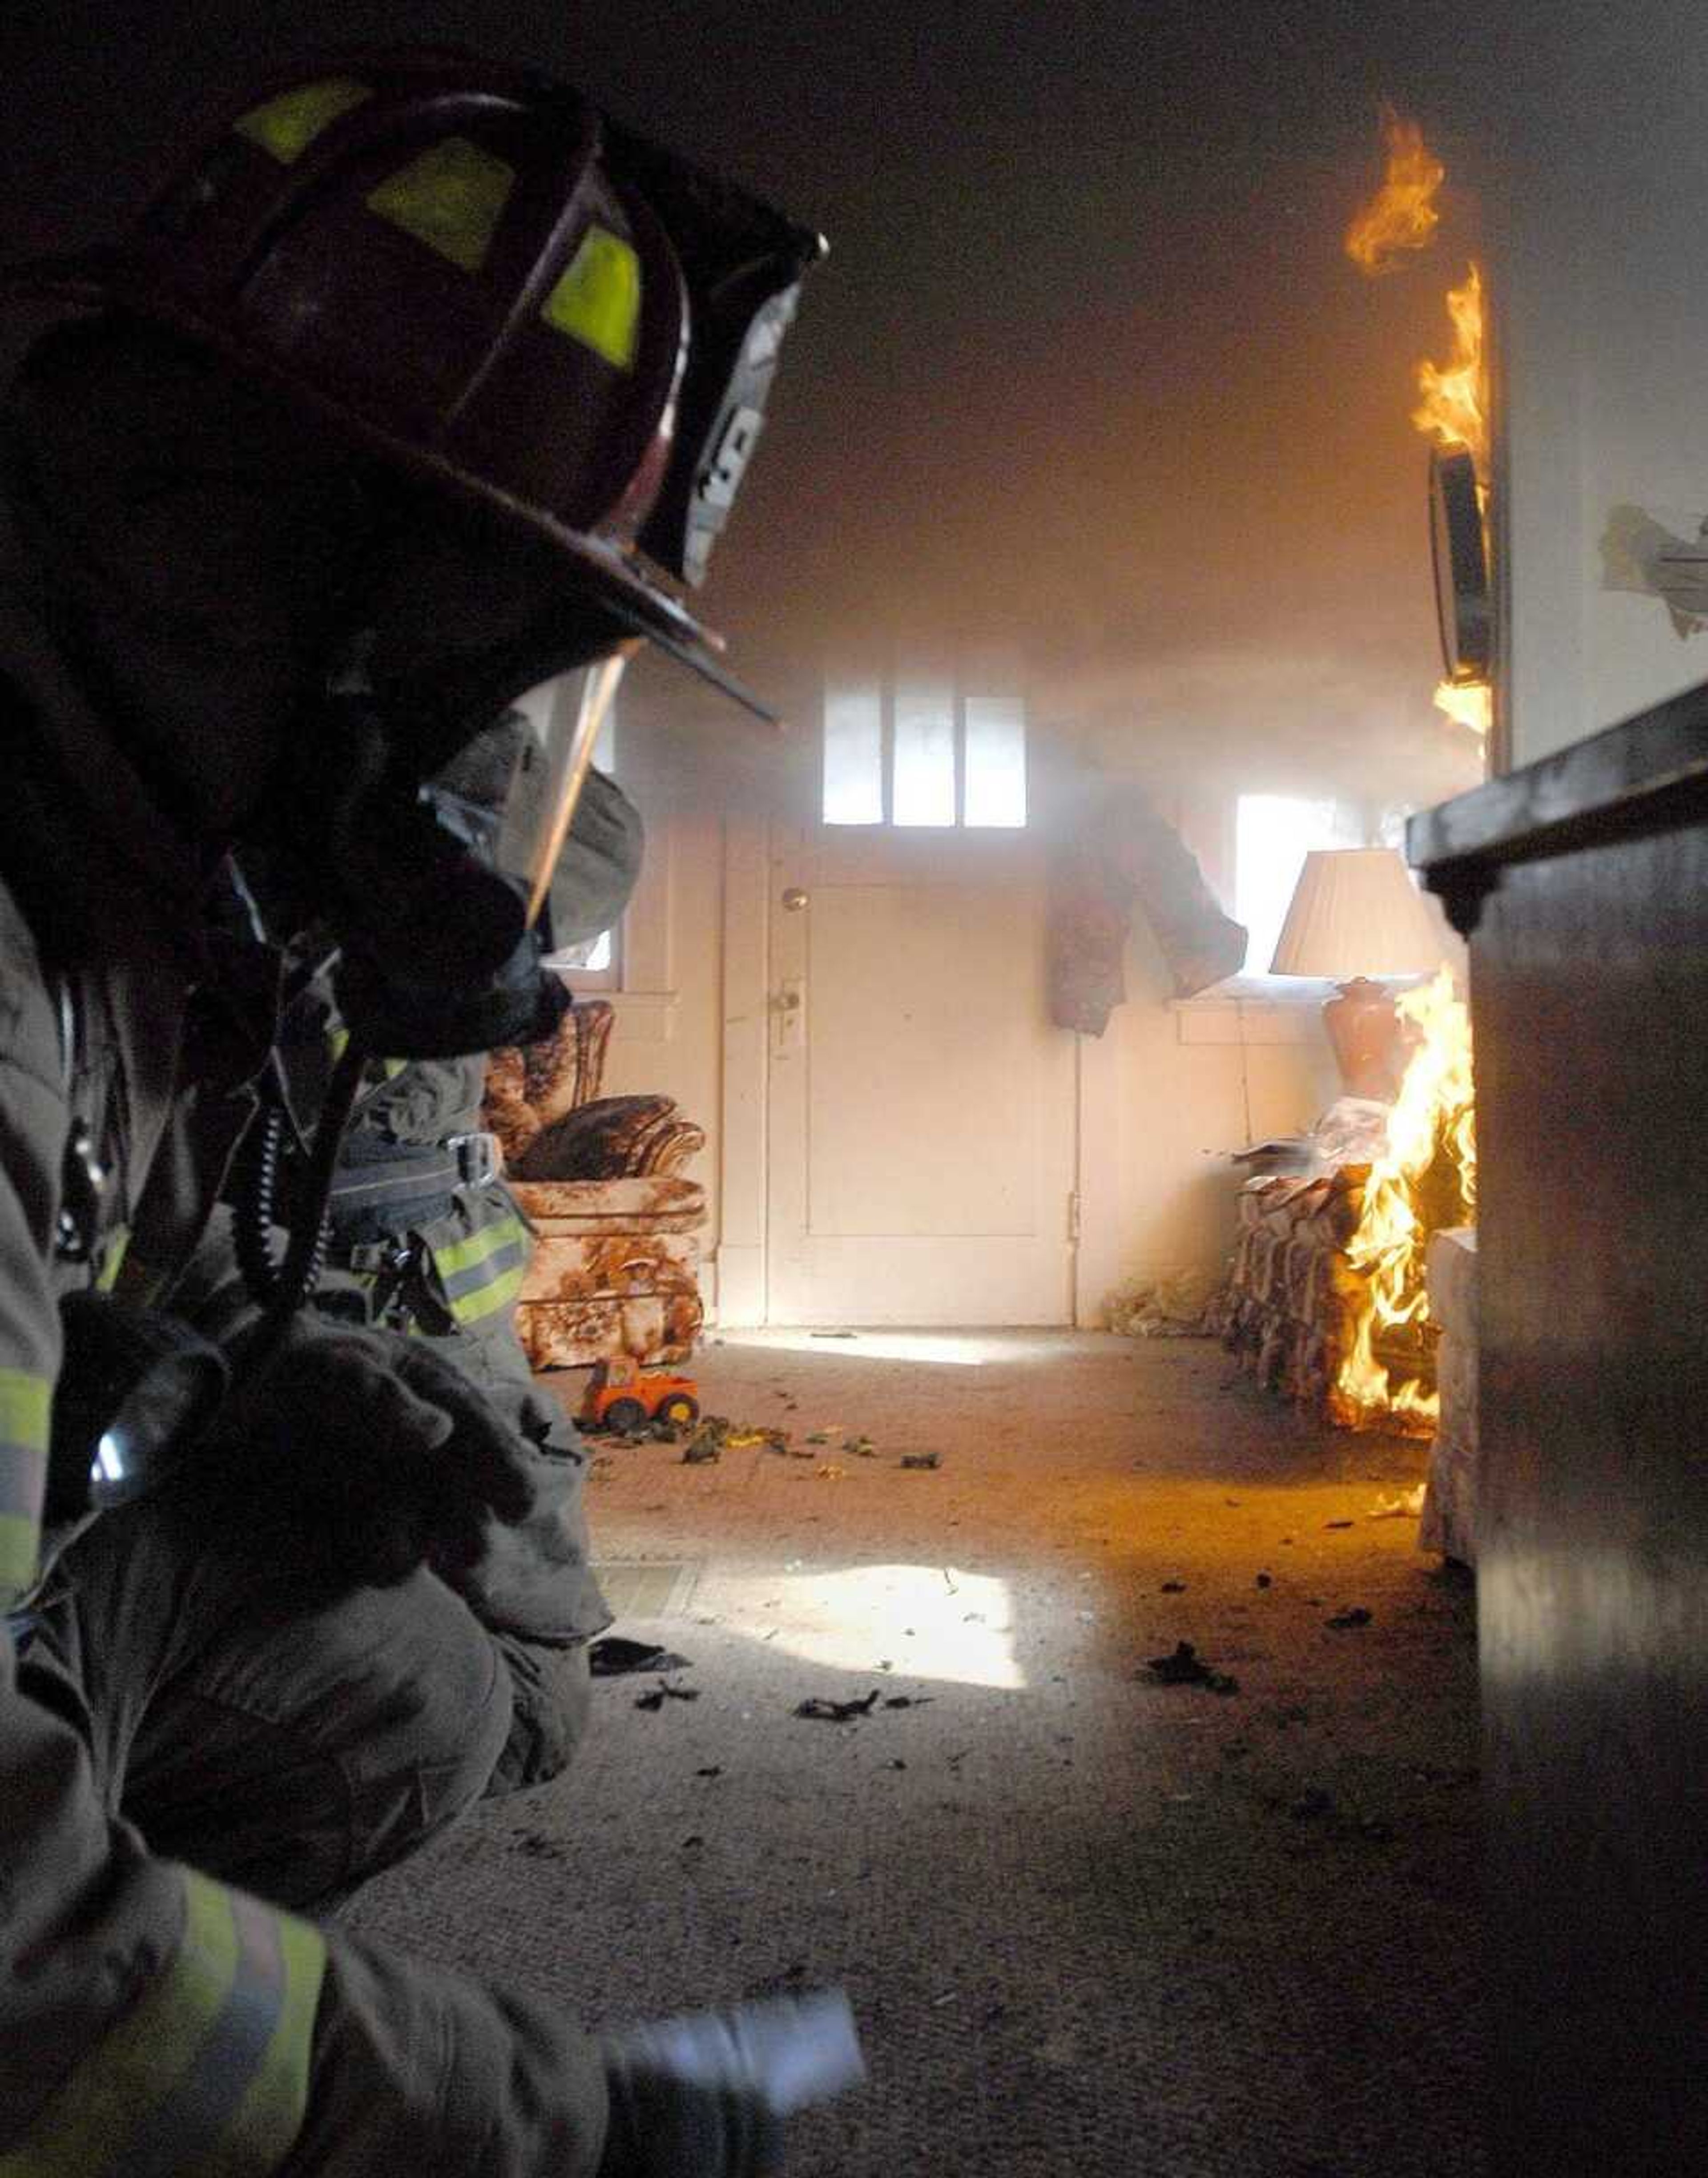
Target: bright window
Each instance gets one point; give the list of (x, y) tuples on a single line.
[(995, 761), (853, 755), (922, 784), (920, 753), (1273, 833)]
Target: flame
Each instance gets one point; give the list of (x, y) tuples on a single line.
[(1454, 411), (1467, 704), (1426, 1179), (1455, 407), (1402, 214)]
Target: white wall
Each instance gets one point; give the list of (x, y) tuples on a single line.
[(1168, 1092), (1598, 244), (1165, 1094)]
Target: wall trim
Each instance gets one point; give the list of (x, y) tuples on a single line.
[(744, 1143)]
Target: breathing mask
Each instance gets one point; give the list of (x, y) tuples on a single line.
[(438, 891)]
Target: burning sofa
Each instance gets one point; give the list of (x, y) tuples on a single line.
[(1297, 1308)]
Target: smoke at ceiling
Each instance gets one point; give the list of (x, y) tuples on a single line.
[(1085, 378)]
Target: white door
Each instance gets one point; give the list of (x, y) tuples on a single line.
[(922, 1130)]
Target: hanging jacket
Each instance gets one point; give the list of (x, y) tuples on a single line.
[(150, 2018)]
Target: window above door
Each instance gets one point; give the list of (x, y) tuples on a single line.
[(918, 753)]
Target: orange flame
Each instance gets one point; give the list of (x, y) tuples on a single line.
[(1402, 214), (1433, 1119), (1454, 410), (1455, 407), (1467, 704)]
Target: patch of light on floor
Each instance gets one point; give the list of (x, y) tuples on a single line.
[(963, 1350), (923, 1622)]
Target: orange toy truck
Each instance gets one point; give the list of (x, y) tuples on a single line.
[(621, 1396)]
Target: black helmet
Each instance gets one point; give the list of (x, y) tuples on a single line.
[(498, 290)]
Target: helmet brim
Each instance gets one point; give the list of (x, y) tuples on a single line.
[(627, 587)]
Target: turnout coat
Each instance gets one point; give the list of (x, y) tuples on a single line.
[(153, 2020)]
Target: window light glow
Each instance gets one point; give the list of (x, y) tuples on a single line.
[(957, 1349), (927, 1621), (924, 754), (1274, 832), (995, 762), (853, 754), (942, 764)]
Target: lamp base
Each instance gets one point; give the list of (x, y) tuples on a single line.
[(1364, 1030)]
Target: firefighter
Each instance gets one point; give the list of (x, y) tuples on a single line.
[(423, 1236), (387, 411)]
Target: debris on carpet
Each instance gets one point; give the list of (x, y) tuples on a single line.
[(614, 1655), (1184, 1667), (1356, 1616), (820, 1707), (918, 1460), (1406, 1506), (663, 1692), (1182, 1305), (837, 1712), (716, 1434), (538, 1846)]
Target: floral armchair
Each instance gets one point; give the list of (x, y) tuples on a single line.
[(615, 1265)]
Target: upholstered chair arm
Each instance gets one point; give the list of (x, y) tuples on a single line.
[(611, 1138)]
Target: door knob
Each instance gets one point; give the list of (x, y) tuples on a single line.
[(794, 899)]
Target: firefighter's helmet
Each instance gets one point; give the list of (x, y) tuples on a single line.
[(485, 281)]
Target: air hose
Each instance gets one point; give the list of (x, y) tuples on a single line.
[(282, 1286), (260, 1212)]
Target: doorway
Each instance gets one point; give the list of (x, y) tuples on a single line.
[(922, 1137)]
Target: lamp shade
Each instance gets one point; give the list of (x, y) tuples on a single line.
[(1356, 912)]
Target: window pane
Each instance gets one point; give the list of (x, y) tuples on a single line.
[(853, 756), (995, 760), (924, 754), (591, 955), (1274, 832)]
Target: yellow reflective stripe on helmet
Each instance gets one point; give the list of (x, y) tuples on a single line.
[(207, 2076), (26, 1406), (288, 125), (597, 299), (112, 1259), (451, 198)]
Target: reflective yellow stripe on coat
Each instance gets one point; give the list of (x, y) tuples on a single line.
[(483, 1272), (26, 1405), (207, 2076)]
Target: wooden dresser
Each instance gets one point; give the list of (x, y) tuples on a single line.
[(1582, 883)]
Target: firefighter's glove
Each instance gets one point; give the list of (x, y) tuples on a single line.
[(664, 2125), (355, 1456)]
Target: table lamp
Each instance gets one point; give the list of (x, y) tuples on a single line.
[(1356, 914)]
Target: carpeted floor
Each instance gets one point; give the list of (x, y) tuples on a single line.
[(1090, 1923)]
